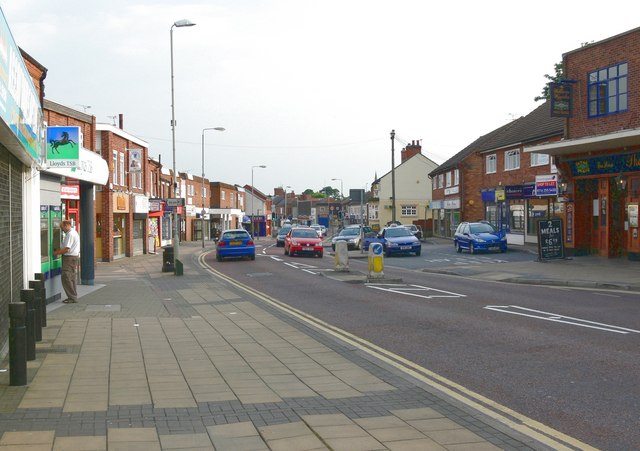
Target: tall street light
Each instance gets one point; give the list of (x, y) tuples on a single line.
[(175, 240), (220, 129), (285, 205), (262, 166)]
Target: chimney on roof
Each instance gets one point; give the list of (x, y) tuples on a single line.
[(121, 121), (412, 149)]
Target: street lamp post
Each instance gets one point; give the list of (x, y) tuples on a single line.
[(285, 205), (253, 195), (175, 240), (220, 129), (341, 198)]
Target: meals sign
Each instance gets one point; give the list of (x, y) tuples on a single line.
[(550, 239)]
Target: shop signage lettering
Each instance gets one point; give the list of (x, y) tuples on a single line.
[(547, 185), (561, 99), (610, 164)]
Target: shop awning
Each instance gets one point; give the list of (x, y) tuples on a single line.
[(615, 140)]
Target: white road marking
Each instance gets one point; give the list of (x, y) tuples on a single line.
[(273, 257), (554, 317), (414, 290)]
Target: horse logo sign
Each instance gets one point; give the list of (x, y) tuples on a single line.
[(63, 147)]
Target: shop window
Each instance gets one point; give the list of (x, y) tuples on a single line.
[(492, 164), (607, 90), (516, 218)]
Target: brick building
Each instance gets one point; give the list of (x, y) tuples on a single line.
[(493, 179), (122, 206), (599, 155)]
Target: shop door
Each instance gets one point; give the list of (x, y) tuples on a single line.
[(602, 231)]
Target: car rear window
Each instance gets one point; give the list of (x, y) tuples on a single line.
[(350, 232), (235, 235), (304, 233), (397, 231)]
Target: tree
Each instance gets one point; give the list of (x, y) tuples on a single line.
[(559, 75), (308, 191), (330, 192)]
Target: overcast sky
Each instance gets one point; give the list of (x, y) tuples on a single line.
[(309, 88)]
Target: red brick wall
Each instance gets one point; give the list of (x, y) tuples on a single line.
[(619, 49)]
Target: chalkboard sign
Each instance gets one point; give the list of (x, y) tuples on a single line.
[(550, 239)]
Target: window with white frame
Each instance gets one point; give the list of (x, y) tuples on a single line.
[(190, 190), (204, 191), (121, 169), (373, 212), (512, 160), (539, 159), (409, 210), (114, 167), (231, 198), (492, 163), (448, 179), (223, 195), (435, 182), (456, 177), (441, 181)]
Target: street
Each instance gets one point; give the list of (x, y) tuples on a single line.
[(566, 358)]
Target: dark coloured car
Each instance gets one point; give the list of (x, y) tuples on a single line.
[(395, 240), (281, 234), (235, 243), (479, 236)]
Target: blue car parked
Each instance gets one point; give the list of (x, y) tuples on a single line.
[(235, 243), (395, 240), (479, 236)]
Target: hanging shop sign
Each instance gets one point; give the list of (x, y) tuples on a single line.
[(547, 185), (135, 161), (610, 164), (63, 147), (70, 192), (561, 95)]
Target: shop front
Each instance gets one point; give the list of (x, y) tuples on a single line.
[(139, 232), (119, 232)]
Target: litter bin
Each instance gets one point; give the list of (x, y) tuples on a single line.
[(167, 259)]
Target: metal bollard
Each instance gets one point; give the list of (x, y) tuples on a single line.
[(37, 297), (17, 344), (27, 296), (43, 317)]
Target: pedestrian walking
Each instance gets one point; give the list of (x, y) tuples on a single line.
[(70, 252)]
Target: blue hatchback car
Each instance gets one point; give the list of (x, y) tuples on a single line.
[(396, 240), (479, 236), (235, 243)]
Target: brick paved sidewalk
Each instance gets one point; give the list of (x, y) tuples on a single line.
[(147, 360)]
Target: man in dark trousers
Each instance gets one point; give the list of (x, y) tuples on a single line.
[(70, 252)]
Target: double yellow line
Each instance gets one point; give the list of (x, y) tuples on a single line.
[(502, 414)]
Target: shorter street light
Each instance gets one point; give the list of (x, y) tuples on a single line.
[(219, 129)]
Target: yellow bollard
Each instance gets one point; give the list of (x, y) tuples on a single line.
[(376, 261)]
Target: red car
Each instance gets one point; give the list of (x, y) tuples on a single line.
[(303, 240)]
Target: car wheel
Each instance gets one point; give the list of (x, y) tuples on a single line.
[(252, 256), (286, 252), (333, 247), (320, 254), (218, 258), (418, 253), (458, 247), (471, 249)]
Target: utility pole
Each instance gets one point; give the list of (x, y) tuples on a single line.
[(393, 177)]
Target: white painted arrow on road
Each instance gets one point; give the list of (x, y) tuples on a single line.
[(554, 317)]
